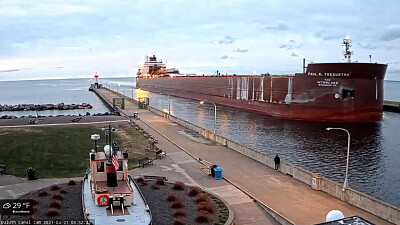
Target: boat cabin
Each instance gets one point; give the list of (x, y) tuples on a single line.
[(110, 185)]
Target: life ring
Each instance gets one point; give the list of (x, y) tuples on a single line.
[(103, 199)]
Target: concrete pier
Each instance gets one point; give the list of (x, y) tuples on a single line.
[(284, 197), (391, 106)]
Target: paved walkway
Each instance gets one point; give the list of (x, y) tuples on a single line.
[(292, 199), (14, 187), (180, 166)]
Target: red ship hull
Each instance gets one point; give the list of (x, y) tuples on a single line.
[(337, 92)]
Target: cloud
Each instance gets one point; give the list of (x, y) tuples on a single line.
[(280, 27), (240, 50), (9, 71), (294, 54), (325, 35), (365, 45), (391, 33), (290, 45), (227, 40), (224, 57)]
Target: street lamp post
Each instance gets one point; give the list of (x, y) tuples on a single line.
[(345, 184), (215, 116), (169, 106)]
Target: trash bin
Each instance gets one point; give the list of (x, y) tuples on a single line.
[(31, 173), (212, 167), (218, 173)]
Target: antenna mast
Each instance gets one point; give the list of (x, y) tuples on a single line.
[(347, 53)]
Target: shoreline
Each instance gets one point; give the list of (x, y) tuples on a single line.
[(66, 120)]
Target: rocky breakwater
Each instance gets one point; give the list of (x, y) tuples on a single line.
[(40, 107)]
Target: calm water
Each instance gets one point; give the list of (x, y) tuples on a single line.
[(374, 158), (68, 91)]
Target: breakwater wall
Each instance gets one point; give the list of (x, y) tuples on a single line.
[(40, 107), (319, 183), (391, 106)]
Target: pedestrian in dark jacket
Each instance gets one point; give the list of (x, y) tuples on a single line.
[(277, 160)]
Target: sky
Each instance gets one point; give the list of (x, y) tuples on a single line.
[(50, 39)]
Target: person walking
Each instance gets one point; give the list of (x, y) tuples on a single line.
[(277, 160)]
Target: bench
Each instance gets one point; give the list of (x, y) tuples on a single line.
[(145, 161), (153, 140), (34, 121), (153, 177), (2, 169), (160, 153), (76, 119)]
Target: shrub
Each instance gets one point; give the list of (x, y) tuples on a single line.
[(57, 197), (193, 191), (55, 204), (140, 179), (206, 206), (155, 187), (52, 212), (71, 182), (179, 213), (62, 191), (171, 197), (160, 181), (179, 186), (201, 198), (54, 187), (43, 193), (179, 221), (203, 216), (33, 200), (177, 204)]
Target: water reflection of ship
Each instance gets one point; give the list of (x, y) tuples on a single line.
[(311, 147)]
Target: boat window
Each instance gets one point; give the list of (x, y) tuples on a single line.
[(347, 93), (100, 166)]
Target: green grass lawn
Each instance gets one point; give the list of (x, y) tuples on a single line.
[(62, 151)]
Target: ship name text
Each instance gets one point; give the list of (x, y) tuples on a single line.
[(329, 74)]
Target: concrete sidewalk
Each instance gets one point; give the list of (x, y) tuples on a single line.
[(290, 198), (180, 166), (12, 187)]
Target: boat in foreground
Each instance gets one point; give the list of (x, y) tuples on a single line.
[(109, 194), (335, 92)]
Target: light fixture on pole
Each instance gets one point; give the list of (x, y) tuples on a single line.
[(215, 116), (345, 184), (169, 106), (95, 138)]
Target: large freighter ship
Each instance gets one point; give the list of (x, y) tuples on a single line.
[(338, 92)]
